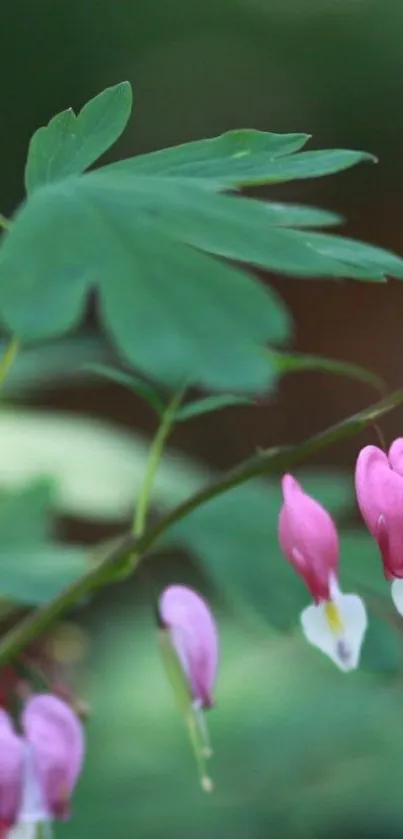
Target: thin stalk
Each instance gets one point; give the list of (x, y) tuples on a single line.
[(154, 459)]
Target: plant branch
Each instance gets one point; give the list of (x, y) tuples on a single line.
[(109, 564)]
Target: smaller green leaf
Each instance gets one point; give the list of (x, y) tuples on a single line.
[(210, 404), (130, 382), (236, 158), (298, 362), (183, 699), (70, 143)]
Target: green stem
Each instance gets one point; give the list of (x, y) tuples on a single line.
[(266, 462), (8, 358), (154, 458)]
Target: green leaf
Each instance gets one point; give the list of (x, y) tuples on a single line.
[(298, 362), (377, 262), (242, 229), (127, 380), (70, 143), (243, 158), (296, 215), (208, 405), (236, 158), (175, 313)]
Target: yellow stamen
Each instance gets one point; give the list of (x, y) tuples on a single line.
[(333, 617)]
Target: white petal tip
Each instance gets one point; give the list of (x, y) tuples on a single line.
[(396, 591)]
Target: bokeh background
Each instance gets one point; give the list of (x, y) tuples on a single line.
[(300, 750)]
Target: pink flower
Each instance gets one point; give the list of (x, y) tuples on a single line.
[(55, 750), (335, 623), (379, 489), (194, 636), (38, 770), (11, 761)]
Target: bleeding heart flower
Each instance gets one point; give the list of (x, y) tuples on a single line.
[(38, 770), (194, 637), (379, 488), (335, 623), (54, 756)]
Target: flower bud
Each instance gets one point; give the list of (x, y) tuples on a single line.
[(308, 538), (194, 637)]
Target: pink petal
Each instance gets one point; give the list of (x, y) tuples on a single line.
[(396, 456), (380, 498), (11, 756), (57, 738), (370, 460), (308, 538), (194, 636)]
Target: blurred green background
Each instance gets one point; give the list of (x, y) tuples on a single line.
[(300, 749)]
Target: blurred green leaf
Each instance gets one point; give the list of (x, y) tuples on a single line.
[(382, 650), (45, 366), (98, 467), (286, 362), (127, 380), (208, 405), (34, 575), (70, 143), (33, 569), (243, 158), (24, 514)]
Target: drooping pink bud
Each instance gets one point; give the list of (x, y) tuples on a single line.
[(55, 740), (308, 538), (379, 489), (194, 636), (11, 756)]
